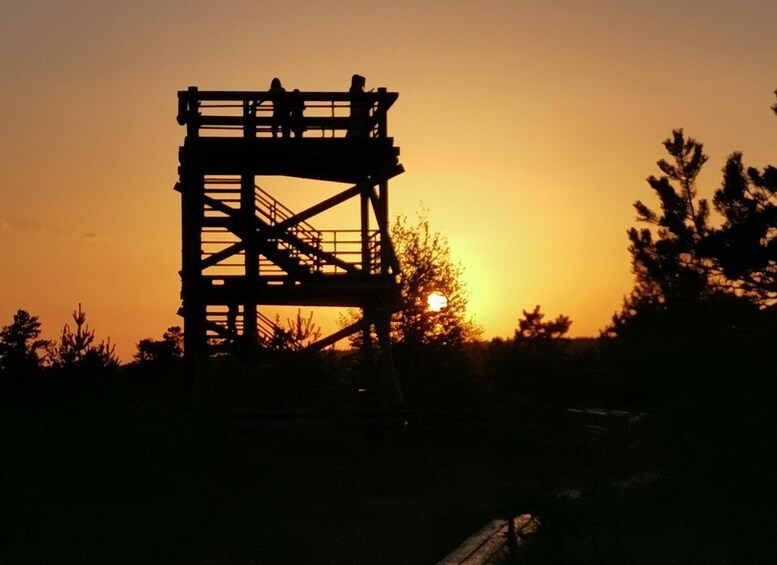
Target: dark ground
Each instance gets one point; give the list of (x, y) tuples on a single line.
[(130, 471)]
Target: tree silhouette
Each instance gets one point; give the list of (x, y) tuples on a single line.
[(668, 266), (165, 351), (426, 267), (745, 246), (19, 345), (77, 349), (297, 333), (532, 330), (536, 364), (681, 258), (774, 106)]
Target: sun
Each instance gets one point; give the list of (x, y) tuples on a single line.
[(436, 302)]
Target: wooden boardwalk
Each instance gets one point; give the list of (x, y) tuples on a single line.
[(494, 543)]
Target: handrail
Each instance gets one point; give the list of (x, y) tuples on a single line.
[(343, 244), (276, 211), (195, 94), (268, 331), (374, 251), (266, 328), (310, 248), (251, 112)]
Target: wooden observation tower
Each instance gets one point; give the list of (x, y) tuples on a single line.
[(243, 250)]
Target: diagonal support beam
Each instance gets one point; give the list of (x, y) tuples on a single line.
[(313, 347), (334, 338), (355, 190), (229, 250), (385, 238), (220, 330), (319, 208), (225, 253), (220, 206), (291, 239), (312, 250), (267, 231)]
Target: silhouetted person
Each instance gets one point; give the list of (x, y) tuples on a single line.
[(296, 109), (280, 108), (358, 122)]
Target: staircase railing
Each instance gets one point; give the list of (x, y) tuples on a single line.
[(345, 245), (273, 212), (227, 326)]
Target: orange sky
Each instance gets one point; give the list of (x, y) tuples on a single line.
[(526, 128)]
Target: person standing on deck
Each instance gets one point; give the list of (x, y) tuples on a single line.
[(280, 108), (358, 122)]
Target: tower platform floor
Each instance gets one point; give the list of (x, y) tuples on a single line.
[(348, 160)]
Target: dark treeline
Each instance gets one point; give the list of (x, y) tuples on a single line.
[(713, 346), (108, 436)]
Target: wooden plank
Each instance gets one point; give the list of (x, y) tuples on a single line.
[(491, 543), (472, 544), (251, 95)]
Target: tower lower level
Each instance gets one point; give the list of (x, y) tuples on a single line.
[(244, 250)]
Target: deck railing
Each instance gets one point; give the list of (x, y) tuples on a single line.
[(249, 114)]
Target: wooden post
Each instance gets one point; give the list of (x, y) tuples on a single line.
[(248, 235), (383, 222), (391, 390), (249, 119), (192, 188), (382, 114), (193, 114), (365, 228), (366, 349)]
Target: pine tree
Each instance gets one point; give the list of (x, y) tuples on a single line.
[(19, 345), (77, 348), (666, 261)]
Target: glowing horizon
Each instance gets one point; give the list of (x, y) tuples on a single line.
[(526, 129)]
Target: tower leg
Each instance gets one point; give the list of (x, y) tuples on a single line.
[(391, 390), (366, 347), (194, 342), (194, 316), (251, 271)]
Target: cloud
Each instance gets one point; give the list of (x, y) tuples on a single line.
[(32, 227)]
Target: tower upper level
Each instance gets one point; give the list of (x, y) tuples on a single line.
[(334, 136)]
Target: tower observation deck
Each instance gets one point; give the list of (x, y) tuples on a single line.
[(243, 250)]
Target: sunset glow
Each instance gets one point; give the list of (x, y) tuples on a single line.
[(436, 301), (526, 128)]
